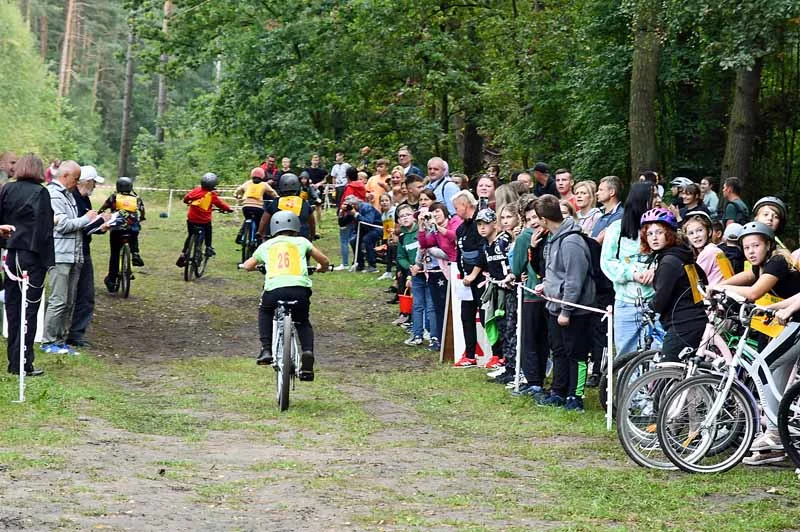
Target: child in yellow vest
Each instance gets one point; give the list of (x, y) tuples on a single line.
[(129, 210)]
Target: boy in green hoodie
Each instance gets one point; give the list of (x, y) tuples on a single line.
[(407, 247)]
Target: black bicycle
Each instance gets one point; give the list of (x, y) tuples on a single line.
[(196, 256), (249, 238), (125, 267)]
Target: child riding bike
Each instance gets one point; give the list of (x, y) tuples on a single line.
[(129, 209), (285, 257), (252, 194), (201, 200)]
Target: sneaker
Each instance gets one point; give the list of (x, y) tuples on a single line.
[(435, 347), (767, 441), (433, 341), (136, 259), (414, 340), (426, 336), (401, 319), (522, 381), (552, 400), (764, 457), (391, 290), (307, 366), (466, 363), (239, 239), (340, 268), (352, 268), (265, 357), (593, 381), (181, 262), (55, 349), (574, 404), (394, 301), (210, 251), (528, 390), (386, 276), (496, 372), (494, 363), (406, 325), (111, 284), (370, 269)]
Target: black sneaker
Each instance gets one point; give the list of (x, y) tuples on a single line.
[(505, 378), (136, 259), (593, 381), (181, 262), (239, 239), (210, 251), (307, 366), (265, 357), (111, 284)]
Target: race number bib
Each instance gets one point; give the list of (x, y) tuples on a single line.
[(125, 203), (284, 259), (291, 203)]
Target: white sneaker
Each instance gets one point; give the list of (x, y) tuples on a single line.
[(340, 268), (385, 277), (426, 336), (414, 340), (767, 441), (352, 268), (496, 372), (764, 457), (522, 380), (400, 320)]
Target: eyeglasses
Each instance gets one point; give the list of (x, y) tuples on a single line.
[(656, 233), (402, 155), (406, 215)]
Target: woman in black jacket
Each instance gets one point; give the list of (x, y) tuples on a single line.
[(25, 205), (677, 299)]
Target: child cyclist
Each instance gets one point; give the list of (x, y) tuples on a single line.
[(129, 209), (285, 257), (252, 194), (201, 200)]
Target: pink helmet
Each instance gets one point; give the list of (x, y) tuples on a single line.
[(660, 215)]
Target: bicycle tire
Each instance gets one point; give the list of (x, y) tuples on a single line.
[(246, 239), (623, 375), (683, 412), (637, 415), (286, 371), (125, 272), (200, 257), (188, 266), (789, 422)]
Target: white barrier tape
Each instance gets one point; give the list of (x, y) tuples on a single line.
[(371, 225), (154, 189), (567, 303)]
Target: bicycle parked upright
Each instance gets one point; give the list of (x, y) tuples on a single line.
[(285, 302)]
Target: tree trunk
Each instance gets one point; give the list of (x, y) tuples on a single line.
[(74, 33), (644, 73), (444, 124), (127, 106), (63, 70), (742, 124), (43, 37), (162, 78), (95, 84), (473, 148)]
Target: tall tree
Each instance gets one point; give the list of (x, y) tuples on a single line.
[(162, 77), (127, 106), (65, 68), (743, 123)]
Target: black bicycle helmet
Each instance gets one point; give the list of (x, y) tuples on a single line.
[(289, 185), (773, 202), (283, 221), (209, 181), (757, 228), (124, 184)]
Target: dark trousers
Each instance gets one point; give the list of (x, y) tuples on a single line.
[(468, 311), (437, 284), (535, 344), (250, 213), (369, 236), (510, 332), (599, 333), (36, 273), (190, 229), (391, 256), (679, 337), (266, 311), (339, 198), (571, 345), (115, 238), (84, 301)]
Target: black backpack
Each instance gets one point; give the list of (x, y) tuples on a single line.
[(602, 284)]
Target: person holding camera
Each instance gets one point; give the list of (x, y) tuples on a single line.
[(369, 229)]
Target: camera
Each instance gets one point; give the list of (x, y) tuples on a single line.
[(426, 216)]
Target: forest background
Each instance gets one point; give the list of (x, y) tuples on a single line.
[(166, 90)]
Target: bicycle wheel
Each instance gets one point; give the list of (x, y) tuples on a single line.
[(189, 267), (789, 422), (637, 414), (125, 270), (200, 257), (630, 367), (697, 443), (284, 369), (246, 240)]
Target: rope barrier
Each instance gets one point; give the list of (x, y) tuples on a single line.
[(24, 280), (358, 238)]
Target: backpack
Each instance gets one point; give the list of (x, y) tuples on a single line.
[(602, 284)]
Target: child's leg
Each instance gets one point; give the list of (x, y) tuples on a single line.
[(561, 370), (208, 234), (134, 241), (266, 311), (577, 344), (189, 230), (115, 243)]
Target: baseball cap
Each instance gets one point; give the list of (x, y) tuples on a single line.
[(89, 173), (541, 167), (732, 232), (486, 215), (351, 200)]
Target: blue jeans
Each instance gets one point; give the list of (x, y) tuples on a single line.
[(422, 312), (437, 288), (629, 330), (344, 243)]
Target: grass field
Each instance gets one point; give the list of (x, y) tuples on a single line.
[(166, 423)]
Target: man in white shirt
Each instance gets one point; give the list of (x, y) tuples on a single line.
[(339, 174)]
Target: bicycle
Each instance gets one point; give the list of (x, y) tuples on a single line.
[(701, 409), (196, 257), (125, 275), (249, 239)]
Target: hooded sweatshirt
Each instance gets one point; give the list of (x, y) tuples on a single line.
[(620, 258), (677, 299), (568, 274)]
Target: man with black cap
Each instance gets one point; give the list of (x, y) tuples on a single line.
[(545, 184)]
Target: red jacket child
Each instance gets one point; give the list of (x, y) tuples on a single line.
[(200, 202)]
